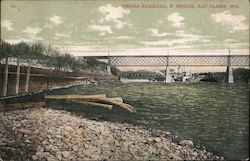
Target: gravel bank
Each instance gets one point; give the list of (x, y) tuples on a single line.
[(47, 134)]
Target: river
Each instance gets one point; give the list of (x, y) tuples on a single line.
[(212, 115)]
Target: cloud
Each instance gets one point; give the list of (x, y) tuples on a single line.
[(78, 50), (191, 37), (62, 35), (230, 40), (27, 40), (102, 34), (113, 14), (48, 26), (181, 47), (188, 35), (236, 46), (176, 19), (32, 33), (18, 40), (120, 24), (124, 38), (180, 31), (236, 22), (155, 32), (7, 24), (32, 30), (103, 29), (56, 20), (172, 42)]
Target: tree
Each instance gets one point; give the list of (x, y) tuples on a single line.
[(37, 51)]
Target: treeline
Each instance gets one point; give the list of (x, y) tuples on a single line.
[(141, 74), (43, 54), (239, 74)]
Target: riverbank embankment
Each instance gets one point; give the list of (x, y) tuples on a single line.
[(47, 134)]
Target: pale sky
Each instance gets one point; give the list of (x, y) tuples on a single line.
[(96, 27)]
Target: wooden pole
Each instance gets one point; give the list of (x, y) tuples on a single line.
[(74, 97), (5, 84), (28, 77), (93, 98), (118, 99), (17, 76), (117, 103), (92, 104)]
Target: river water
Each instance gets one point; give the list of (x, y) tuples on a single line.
[(212, 115)]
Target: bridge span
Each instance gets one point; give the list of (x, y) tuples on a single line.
[(168, 61)]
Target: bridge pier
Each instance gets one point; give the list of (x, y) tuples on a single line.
[(229, 73), (109, 65), (109, 69), (168, 78)]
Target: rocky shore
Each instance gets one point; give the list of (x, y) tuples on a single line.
[(47, 134)]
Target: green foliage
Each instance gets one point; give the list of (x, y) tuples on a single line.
[(141, 74), (94, 65), (20, 50), (241, 75), (5, 49), (214, 77), (36, 51), (41, 53), (115, 71), (51, 57)]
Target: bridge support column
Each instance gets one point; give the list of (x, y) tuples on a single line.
[(109, 69), (168, 78), (229, 75), (229, 72), (109, 65)]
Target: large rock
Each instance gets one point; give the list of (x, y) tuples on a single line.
[(66, 154), (59, 155), (157, 140), (75, 148), (186, 143), (126, 144), (34, 157)]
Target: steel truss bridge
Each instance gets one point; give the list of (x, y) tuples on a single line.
[(167, 61), (179, 60)]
